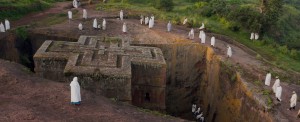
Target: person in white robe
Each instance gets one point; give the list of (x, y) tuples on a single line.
[(212, 41), (268, 79), (278, 93), (200, 34), (252, 36), (191, 34), (185, 21), (2, 29), (293, 101), (104, 24), (84, 14), (169, 26), (203, 38), (124, 29), (75, 92), (200, 117), (152, 17), (146, 20), (256, 36), (7, 24), (151, 23), (229, 51), (142, 20), (80, 26), (121, 14), (75, 3), (95, 24), (276, 84), (70, 14), (194, 108), (202, 26)]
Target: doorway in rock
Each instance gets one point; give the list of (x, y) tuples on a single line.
[(147, 97)]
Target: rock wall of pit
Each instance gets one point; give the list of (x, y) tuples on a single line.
[(196, 75)]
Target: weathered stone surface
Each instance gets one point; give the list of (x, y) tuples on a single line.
[(109, 66)]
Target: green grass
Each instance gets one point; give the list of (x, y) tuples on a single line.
[(15, 9)]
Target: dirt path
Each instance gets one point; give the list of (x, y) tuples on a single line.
[(158, 35)]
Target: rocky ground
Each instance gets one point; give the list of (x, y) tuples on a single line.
[(252, 69), (26, 97)]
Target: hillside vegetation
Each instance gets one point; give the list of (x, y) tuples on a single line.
[(278, 25), (15, 9)]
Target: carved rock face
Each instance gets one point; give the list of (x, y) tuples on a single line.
[(109, 66)]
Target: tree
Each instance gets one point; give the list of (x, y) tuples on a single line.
[(271, 10), (166, 5)]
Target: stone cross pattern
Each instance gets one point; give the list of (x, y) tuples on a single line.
[(107, 55)]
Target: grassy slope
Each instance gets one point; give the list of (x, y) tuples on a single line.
[(15, 9), (276, 54)]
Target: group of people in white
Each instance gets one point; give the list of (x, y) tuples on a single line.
[(76, 3), (277, 89), (197, 113), (149, 21), (202, 37), (254, 36), (4, 27)]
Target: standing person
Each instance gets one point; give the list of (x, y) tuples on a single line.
[(202, 26), (70, 15), (194, 108), (121, 14), (7, 24), (84, 14), (276, 84), (124, 29), (95, 24), (142, 20), (203, 38), (229, 51), (268, 79), (104, 24), (185, 21), (293, 101), (2, 29), (146, 20), (151, 23), (75, 3), (80, 26), (200, 34), (169, 26), (212, 41), (252, 36), (152, 17), (256, 36), (75, 92), (278, 93), (191, 34)]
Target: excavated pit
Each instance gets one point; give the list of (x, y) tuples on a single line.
[(194, 75)]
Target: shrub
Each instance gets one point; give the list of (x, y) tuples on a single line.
[(295, 54), (22, 33), (283, 49), (166, 5)]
